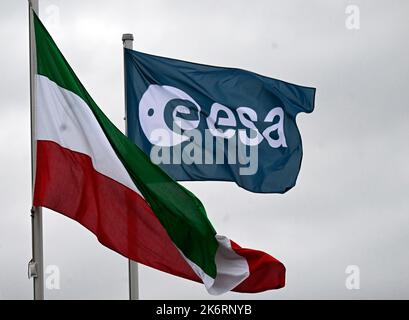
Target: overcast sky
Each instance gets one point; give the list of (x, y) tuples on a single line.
[(350, 204)]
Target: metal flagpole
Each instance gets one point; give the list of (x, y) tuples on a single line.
[(127, 40), (35, 266)]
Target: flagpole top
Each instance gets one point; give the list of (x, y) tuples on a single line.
[(127, 37), (34, 5)]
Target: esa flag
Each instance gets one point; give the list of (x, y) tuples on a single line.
[(201, 122), (91, 172)]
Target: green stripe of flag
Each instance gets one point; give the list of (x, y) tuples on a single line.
[(179, 211)]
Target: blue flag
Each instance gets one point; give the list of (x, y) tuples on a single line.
[(200, 122)]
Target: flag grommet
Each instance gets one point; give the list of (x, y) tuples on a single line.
[(32, 269)]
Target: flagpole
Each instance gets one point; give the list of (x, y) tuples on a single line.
[(35, 266), (127, 41)]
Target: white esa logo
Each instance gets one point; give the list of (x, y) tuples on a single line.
[(152, 108)]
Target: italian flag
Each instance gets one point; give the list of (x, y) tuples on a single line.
[(89, 171)]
